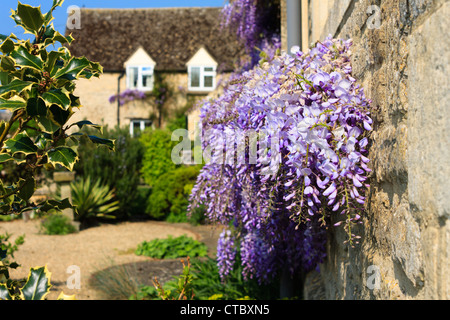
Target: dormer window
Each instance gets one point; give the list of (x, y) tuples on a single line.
[(201, 72), (140, 77), (140, 67), (202, 78)]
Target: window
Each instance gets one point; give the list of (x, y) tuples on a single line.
[(140, 77), (137, 126), (202, 78)]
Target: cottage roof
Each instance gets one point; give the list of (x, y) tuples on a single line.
[(171, 36)]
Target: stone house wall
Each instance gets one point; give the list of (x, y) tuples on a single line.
[(95, 93), (401, 57)]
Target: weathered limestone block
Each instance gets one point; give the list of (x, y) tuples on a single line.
[(403, 66)]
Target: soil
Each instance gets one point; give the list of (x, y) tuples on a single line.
[(103, 256)]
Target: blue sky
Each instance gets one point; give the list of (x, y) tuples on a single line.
[(8, 26)]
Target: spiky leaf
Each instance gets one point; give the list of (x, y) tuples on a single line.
[(27, 189), (56, 96), (38, 284), (100, 141), (64, 156), (73, 68), (25, 59), (31, 18), (4, 292), (16, 86), (12, 104), (21, 144)]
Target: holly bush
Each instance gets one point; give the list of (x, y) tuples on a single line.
[(37, 88)]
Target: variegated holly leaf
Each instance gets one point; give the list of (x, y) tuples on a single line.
[(64, 156), (38, 284)]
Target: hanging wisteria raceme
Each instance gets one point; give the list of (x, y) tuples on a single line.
[(255, 25), (286, 148)]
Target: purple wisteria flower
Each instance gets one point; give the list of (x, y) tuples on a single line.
[(307, 120)]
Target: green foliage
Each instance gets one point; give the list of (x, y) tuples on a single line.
[(172, 248), (57, 224), (157, 158), (205, 284), (178, 289), (120, 170), (37, 88), (170, 194), (92, 201)]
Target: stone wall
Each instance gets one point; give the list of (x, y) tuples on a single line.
[(401, 57)]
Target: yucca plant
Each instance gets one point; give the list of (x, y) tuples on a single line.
[(92, 200)]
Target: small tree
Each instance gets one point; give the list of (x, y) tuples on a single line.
[(37, 87)]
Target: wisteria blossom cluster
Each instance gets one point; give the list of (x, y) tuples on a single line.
[(255, 25), (286, 146), (127, 95)]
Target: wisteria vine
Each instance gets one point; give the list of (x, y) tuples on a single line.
[(256, 23), (286, 145)]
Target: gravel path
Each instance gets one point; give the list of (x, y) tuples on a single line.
[(105, 250)]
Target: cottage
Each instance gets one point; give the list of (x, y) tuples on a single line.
[(183, 50)]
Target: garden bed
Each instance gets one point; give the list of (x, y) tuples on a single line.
[(98, 251)]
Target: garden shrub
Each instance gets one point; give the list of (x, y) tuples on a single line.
[(57, 224), (120, 170), (93, 201), (157, 158), (172, 248), (170, 194)]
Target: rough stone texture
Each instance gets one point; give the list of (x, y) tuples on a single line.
[(403, 66)]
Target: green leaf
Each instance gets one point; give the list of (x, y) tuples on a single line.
[(8, 64), (31, 17), (83, 123), (15, 86), (73, 68), (4, 292), (4, 157), (56, 96), (64, 156), (36, 107), (38, 284), (47, 125), (107, 142), (55, 205), (12, 104), (21, 144), (59, 115), (49, 14), (7, 46), (25, 59), (27, 189), (53, 57)]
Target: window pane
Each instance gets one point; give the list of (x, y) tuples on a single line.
[(147, 81), (195, 77), (132, 74), (209, 69), (208, 81)]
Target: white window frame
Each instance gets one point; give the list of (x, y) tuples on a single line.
[(141, 74), (203, 74), (142, 123)]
